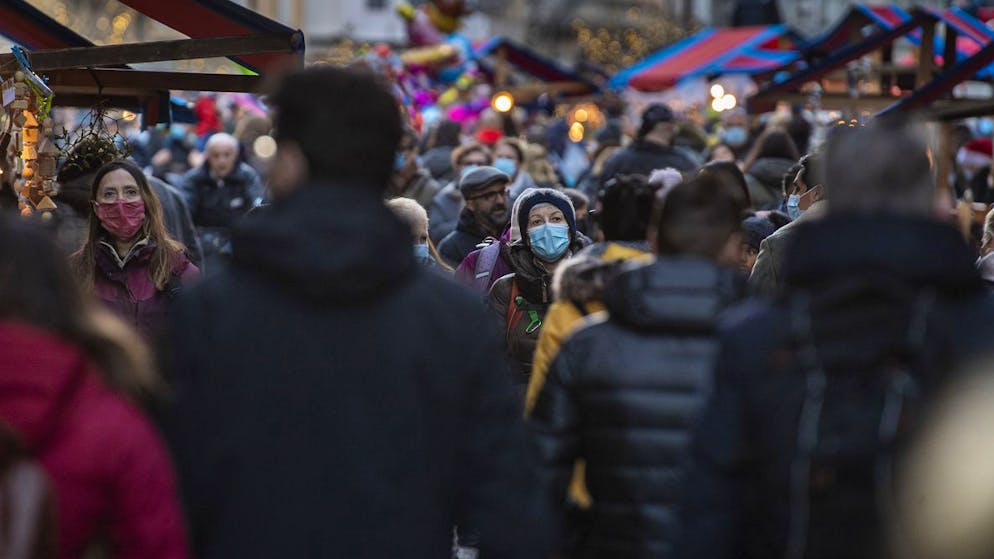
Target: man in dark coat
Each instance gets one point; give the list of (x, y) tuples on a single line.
[(485, 215), (624, 392), (332, 399), (651, 150), (219, 193), (878, 294)]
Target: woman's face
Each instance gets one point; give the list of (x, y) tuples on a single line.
[(540, 215), (504, 150), (118, 185), (420, 232)]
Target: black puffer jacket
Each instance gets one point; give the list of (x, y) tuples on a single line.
[(863, 278), (624, 393)]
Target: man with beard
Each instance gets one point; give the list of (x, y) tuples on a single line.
[(485, 214)]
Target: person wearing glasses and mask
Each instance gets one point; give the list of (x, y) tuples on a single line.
[(485, 214), (520, 300)]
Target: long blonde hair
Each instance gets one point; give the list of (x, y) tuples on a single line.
[(166, 249)]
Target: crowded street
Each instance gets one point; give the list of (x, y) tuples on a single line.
[(450, 279)]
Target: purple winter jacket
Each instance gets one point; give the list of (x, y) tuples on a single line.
[(466, 272), (125, 286)]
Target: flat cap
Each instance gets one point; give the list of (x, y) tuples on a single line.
[(479, 178)]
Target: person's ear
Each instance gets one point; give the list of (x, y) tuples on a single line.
[(731, 252), (288, 170)]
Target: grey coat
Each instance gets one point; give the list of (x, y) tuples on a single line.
[(767, 279)]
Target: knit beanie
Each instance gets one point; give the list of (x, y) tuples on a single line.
[(755, 229), (535, 196)]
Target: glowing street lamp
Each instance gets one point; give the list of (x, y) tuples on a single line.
[(503, 102)]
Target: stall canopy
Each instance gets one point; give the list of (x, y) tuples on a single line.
[(862, 21), (83, 75), (27, 26), (201, 19), (930, 95), (865, 29), (501, 50), (711, 52)]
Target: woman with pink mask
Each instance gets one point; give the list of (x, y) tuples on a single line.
[(129, 261)]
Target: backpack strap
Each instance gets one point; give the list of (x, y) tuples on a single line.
[(485, 264), (513, 309)]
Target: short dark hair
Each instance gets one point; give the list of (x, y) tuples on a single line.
[(696, 218), (729, 175), (346, 122), (445, 133), (810, 168), (625, 208)]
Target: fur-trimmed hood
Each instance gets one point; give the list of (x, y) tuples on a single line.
[(583, 278)]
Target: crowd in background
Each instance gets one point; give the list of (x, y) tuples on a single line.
[(679, 339)]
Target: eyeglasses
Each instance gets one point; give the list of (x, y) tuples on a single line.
[(491, 196)]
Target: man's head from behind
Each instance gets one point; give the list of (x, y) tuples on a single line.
[(882, 168), (658, 124), (333, 125), (624, 208), (699, 218)]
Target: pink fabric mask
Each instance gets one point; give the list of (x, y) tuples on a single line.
[(121, 219)]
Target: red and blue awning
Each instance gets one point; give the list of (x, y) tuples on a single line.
[(32, 29), (527, 61), (201, 19), (971, 34), (711, 52), (884, 17)]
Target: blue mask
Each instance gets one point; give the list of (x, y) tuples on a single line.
[(399, 162), (177, 131), (506, 165), (465, 170), (985, 127), (423, 255), (735, 136), (794, 206), (549, 241)]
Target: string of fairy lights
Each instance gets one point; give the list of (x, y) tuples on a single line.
[(622, 40)]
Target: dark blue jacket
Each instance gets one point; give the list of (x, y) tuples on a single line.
[(864, 278), (334, 399)]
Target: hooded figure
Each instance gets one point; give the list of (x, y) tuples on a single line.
[(323, 317), (520, 300)]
